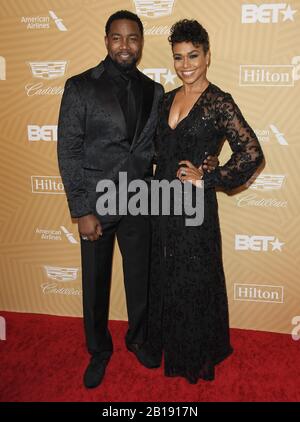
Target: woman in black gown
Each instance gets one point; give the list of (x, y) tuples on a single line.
[(188, 309)]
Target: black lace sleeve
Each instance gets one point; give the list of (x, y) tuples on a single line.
[(247, 154)]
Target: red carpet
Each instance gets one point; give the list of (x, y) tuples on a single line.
[(43, 359)]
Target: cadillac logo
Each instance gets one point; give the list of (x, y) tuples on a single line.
[(154, 8), (61, 273), (48, 70)]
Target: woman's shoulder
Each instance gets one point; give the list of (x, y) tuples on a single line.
[(220, 99), (218, 93)]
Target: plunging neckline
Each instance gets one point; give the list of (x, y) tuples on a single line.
[(192, 108)]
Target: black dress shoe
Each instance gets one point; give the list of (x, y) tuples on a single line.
[(94, 372), (144, 357)]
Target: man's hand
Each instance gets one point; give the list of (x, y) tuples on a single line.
[(189, 173), (89, 227), (210, 163)]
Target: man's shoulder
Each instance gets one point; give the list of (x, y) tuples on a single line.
[(146, 78), (89, 74)]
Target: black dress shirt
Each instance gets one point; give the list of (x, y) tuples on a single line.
[(127, 88)]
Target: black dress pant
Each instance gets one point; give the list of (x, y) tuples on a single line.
[(133, 234)]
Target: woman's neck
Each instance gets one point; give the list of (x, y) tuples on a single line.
[(195, 88)]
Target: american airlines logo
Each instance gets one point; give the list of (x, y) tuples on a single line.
[(56, 234), (154, 8), (258, 293), (267, 182), (44, 22), (160, 75), (264, 135), (48, 70), (61, 273), (58, 21), (2, 69), (267, 13), (42, 133), (47, 185), (244, 242)]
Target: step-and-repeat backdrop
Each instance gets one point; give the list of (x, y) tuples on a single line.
[(255, 57)]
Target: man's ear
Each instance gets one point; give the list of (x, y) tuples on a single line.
[(106, 41)]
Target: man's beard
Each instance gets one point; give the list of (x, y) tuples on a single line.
[(126, 66)]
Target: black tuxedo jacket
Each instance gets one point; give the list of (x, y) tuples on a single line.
[(92, 136)]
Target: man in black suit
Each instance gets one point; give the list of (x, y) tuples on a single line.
[(106, 125)]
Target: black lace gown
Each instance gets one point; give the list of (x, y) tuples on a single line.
[(188, 308)]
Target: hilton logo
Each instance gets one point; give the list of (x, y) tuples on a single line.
[(266, 75), (258, 293), (47, 185)]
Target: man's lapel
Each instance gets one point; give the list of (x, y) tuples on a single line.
[(108, 100), (111, 105), (144, 106)]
